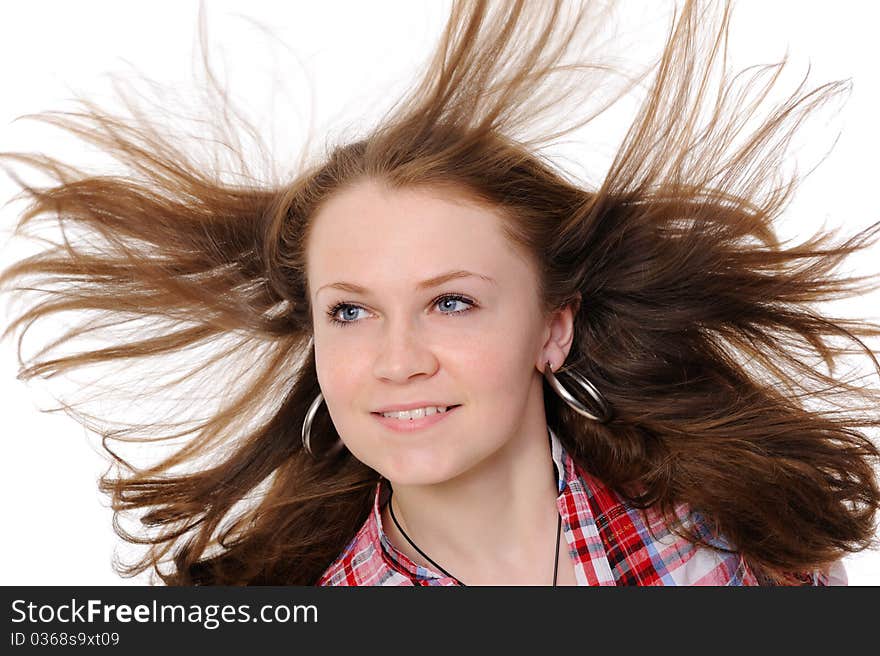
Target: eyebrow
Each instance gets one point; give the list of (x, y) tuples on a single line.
[(436, 281)]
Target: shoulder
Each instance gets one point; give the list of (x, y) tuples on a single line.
[(832, 574), (643, 549), (362, 562)]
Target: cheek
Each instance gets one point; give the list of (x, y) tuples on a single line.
[(341, 374), (499, 362), (491, 361)]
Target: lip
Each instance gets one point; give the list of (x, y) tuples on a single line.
[(412, 425), (413, 406)]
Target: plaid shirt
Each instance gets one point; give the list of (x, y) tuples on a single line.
[(608, 543)]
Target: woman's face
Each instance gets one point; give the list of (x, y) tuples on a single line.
[(475, 341)]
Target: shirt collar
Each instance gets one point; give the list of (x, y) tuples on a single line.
[(564, 464), (564, 468)]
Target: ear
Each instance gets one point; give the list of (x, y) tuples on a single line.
[(559, 336)]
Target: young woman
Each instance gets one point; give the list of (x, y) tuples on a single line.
[(457, 366)]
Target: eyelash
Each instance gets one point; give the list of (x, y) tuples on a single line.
[(331, 313)]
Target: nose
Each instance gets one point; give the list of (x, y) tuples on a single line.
[(403, 353)]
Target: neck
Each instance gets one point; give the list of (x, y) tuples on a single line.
[(496, 522)]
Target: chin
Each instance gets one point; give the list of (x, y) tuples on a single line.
[(421, 472), (415, 472), (416, 480)]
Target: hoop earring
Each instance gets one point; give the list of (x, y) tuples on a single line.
[(603, 416), (604, 408), (307, 429)]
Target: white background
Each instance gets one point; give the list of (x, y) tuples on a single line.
[(56, 526)]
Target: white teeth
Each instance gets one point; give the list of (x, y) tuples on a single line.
[(415, 414)]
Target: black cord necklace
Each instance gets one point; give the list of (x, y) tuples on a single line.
[(414, 546)]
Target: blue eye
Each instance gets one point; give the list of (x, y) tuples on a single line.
[(455, 298)]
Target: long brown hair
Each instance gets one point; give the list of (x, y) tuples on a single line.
[(695, 321)]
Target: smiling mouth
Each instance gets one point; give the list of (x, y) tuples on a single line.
[(448, 408)]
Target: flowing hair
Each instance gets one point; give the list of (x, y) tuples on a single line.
[(698, 324)]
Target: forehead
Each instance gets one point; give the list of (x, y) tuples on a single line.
[(370, 235)]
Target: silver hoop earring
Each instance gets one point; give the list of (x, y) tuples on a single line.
[(604, 408), (307, 429)]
